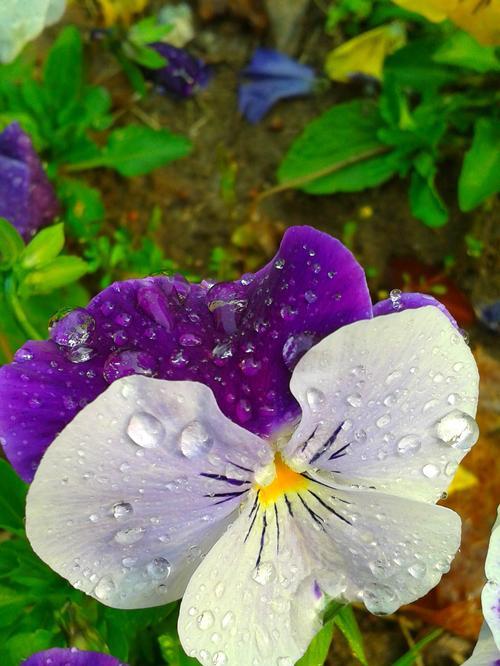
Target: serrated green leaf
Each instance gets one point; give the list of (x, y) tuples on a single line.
[(44, 247), (12, 499), (480, 175), (63, 69), (340, 152), (11, 244), (462, 50), (409, 658), (54, 274), (346, 622), (319, 647)]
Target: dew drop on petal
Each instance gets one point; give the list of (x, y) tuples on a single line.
[(451, 468), (430, 470), (159, 568), (129, 536), (104, 588), (145, 430), (228, 620), (264, 573), (219, 659), (73, 329), (354, 400), (122, 510), (417, 569), (315, 398), (129, 562), (205, 620), (194, 440), (458, 429), (408, 445)]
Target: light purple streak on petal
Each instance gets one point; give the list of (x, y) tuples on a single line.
[(27, 198), (71, 657), (242, 339), (401, 301), (137, 489)]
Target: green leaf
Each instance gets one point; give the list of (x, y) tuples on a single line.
[(63, 70), (144, 55), (480, 175), (413, 67), (317, 651), (136, 150), (346, 622), (148, 30), (339, 152), (84, 208), (11, 244), (409, 657), (56, 273), (44, 247), (425, 202), (12, 499), (22, 645), (172, 651), (462, 50)]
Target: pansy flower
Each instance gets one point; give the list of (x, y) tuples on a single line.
[(27, 198), (270, 77), (70, 657), (183, 74), (487, 650), (256, 447)]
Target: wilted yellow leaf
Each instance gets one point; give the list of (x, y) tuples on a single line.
[(115, 11), (480, 18), (462, 480), (366, 53)]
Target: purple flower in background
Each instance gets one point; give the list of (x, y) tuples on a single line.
[(183, 75), (255, 447), (27, 198), (70, 657), (272, 76)]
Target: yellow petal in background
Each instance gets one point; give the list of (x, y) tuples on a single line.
[(115, 11), (366, 53), (480, 18), (462, 480)]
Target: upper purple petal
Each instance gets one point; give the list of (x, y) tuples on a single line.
[(71, 657), (242, 339), (272, 76), (399, 301), (183, 74), (27, 198)]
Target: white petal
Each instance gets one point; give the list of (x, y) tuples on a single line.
[(486, 652), (388, 403), (491, 592), (250, 602), (138, 487)]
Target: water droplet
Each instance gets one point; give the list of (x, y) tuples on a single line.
[(129, 536), (189, 340), (194, 440), (430, 470), (451, 468), (205, 620), (228, 620), (408, 445), (383, 421), (417, 569), (310, 296), (395, 296), (104, 588), (159, 568), (250, 366), (219, 590), (458, 430), (145, 430), (80, 354), (279, 264), (295, 346), (391, 377), (354, 400), (129, 562), (122, 510), (315, 399), (380, 599), (222, 352), (73, 329), (219, 659), (264, 573), (129, 362)]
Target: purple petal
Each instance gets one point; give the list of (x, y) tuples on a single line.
[(183, 75), (242, 339), (400, 301), (27, 198), (71, 657), (272, 77)]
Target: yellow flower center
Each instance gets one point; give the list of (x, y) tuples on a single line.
[(285, 481)]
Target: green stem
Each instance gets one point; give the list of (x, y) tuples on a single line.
[(86, 164), (17, 309)]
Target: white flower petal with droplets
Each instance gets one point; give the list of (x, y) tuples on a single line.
[(491, 592), (248, 605), (486, 652), (136, 489), (388, 403)]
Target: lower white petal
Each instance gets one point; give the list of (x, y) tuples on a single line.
[(491, 592), (486, 652)]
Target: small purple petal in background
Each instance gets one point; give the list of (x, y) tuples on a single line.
[(400, 300), (27, 198), (242, 339), (71, 657), (183, 75), (271, 76)]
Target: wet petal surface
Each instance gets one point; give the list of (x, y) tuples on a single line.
[(490, 597), (242, 339), (137, 489), (399, 301), (388, 404), (71, 657)]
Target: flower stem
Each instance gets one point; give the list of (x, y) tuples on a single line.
[(18, 310)]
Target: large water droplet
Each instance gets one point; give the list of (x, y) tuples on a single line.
[(458, 430), (159, 568), (315, 399), (195, 440), (205, 620), (380, 599), (73, 329), (430, 470), (122, 510), (104, 588), (408, 445), (145, 430)]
